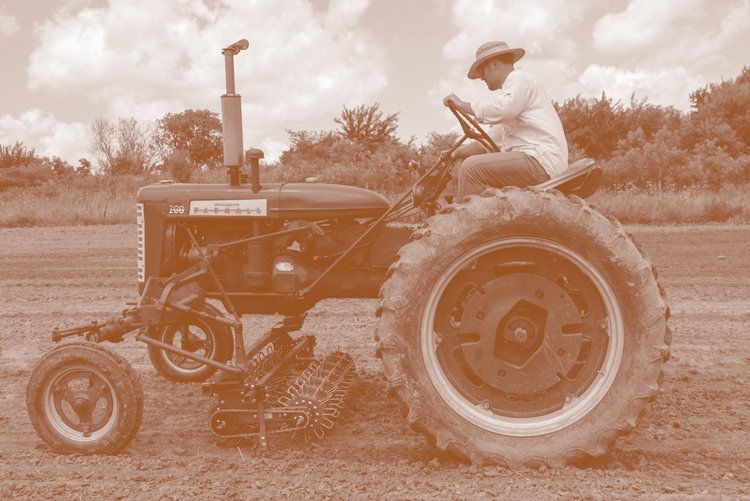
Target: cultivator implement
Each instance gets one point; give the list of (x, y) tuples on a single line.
[(274, 386), (310, 404)]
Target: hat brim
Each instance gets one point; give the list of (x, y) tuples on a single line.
[(474, 70)]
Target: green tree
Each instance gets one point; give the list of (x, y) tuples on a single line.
[(196, 133), (365, 153), (125, 147), (59, 166), (431, 149), (17, 155), (84, 167), (721, 112), (650, 118), (366, 125), (593, 125), (179, 166)]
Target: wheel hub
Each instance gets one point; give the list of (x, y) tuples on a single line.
[(521, 322), (76, 399), (520, 333)]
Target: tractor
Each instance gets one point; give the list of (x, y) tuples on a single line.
[(519, 326)]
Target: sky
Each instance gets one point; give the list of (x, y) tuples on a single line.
[(65, 63)]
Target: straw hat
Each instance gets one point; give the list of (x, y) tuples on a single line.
[(487, 51)]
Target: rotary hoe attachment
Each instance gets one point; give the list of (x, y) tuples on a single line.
[(287, 391)]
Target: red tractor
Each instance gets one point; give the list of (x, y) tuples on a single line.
[(519, 326)]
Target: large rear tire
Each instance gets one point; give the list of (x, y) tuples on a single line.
[(83, 398), (201, 336), (522, 327)]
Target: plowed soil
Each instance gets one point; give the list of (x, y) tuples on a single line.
[(693, 441)]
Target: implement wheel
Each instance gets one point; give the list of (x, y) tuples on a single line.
[(523, 327), (201, 336), (83, 398)]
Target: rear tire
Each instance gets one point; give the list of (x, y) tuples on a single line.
[(201, 336), (83, 398), (522, 327)]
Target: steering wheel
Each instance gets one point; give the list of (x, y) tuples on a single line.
[(473, 130)]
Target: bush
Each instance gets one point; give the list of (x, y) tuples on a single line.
[(25, 177), (178, 166)]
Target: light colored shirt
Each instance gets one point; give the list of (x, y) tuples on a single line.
[(530, 121)]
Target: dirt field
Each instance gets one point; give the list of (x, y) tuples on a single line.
[(693, 441)]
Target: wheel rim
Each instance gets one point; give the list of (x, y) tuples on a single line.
[(81, 404), (194, 336), (522, 336)]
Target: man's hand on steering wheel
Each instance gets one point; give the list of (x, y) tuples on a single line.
[(454, 101), (465, 116)]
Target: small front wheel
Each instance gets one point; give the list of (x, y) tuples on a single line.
[(83, 398)]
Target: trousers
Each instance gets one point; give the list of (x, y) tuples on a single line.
[(496, 170)]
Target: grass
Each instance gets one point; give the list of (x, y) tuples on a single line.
[(731, 204), (103, 200), (77, 202)]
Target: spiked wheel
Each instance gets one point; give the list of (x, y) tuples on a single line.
[(201, 336), (523, 328), (323, 391), (85, 399)]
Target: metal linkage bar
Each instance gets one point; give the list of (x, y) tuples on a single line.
[(59, 334), (190, 355)]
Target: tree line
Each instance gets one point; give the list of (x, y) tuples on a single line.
[(638, 144)]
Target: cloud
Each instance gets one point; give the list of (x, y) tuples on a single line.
[(668, 86), (664, 50), (536, 26), (644, 23), (8, 23), (49, 137), (345, 13), (143, 58)]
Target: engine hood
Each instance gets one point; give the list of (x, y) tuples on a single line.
[(275, 200), (327, 200)]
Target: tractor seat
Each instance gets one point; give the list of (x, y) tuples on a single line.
[(582, 178)]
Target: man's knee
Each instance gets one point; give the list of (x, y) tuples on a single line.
[(472, 166), (498, 170)]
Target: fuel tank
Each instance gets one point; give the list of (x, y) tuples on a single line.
[(274, 200)]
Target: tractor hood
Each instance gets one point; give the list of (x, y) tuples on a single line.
[(274, 200)]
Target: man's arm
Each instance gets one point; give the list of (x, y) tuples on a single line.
[(506, 104), (458, 103), (469, 149)]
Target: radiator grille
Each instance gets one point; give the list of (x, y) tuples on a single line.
[(141, 230)]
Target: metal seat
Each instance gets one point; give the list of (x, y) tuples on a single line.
[(582, 178)]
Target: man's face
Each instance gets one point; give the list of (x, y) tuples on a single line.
[(494, 72)]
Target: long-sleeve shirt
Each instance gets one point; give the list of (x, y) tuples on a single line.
[(529, 118)]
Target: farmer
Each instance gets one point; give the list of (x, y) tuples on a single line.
[(525, 126)]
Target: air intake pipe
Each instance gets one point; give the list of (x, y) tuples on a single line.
[(231, 116)]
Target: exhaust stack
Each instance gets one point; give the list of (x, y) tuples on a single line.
[(231, 116)]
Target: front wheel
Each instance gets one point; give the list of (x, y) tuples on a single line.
[(83, 398), (523, 328)]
